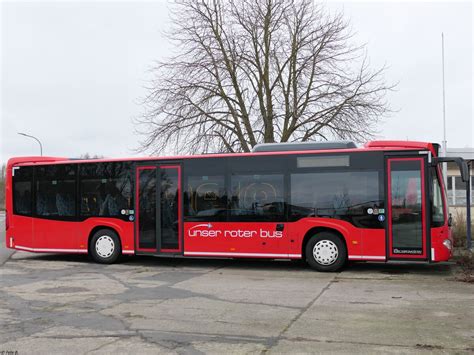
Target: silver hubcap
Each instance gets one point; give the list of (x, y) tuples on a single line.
[(104, 246), (325, 252)]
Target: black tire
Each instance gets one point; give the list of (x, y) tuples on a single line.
[(105, 247), (332, 252)]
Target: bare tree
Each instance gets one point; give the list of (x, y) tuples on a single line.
[(90, 156), (252, 71)]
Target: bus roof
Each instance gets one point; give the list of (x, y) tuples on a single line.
[(396, 145), (370, 146)]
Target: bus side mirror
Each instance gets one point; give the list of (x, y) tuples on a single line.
[(450, 220), (460, 162)]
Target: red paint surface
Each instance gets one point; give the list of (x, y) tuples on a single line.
[(373, 243), (235, 237), (248, 237), (400, 145), (438, 236), (55, 234)]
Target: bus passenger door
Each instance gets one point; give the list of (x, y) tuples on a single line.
[(406, 205), (158, 223)]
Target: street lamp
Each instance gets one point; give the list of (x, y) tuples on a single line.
[(36, 139)]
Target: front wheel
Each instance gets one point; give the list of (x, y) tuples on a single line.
[(326, 251), (105, 246)]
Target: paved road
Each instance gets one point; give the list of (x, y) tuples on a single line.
[(65, 304)]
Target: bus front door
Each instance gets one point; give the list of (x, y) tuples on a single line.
[(406, 202), (158, 221)]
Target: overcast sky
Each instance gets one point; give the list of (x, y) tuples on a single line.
[(73, 73)]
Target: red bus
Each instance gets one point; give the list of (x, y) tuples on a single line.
[(325, 203)]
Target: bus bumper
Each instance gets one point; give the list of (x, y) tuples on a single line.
[(441, 245)]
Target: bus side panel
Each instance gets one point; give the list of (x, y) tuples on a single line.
[(54, 234), (235, 239), (124, 230), (20, 231), (439, 252), (373, 244), (67, 236), (298, 230)]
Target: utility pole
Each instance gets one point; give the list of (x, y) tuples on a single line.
[(445, 142)]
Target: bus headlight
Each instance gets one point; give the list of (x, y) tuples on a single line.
[(447, 243)]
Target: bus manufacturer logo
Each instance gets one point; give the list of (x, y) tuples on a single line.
[(407, 251)]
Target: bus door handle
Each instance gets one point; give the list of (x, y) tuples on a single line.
[(280, 227)]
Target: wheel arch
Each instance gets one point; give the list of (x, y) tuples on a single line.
[(315, 230), (100, 227)]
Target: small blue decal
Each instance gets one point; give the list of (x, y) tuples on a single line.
[(381, 217)]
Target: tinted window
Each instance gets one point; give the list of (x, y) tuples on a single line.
[(206, 198), (22, 182), (56, 191), (437, 212), (147, 208), (406, 198), (343, 195), (169, 208), (106, 189), (257, 197)]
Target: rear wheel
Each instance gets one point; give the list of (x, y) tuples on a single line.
[(105, 246), (326, 251)]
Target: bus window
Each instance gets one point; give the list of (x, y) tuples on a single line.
[(56, 191), (105, 189), (342, 195), (257, 198), (22, 180), (169, 207), (206, 198)]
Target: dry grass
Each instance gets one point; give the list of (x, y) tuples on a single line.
[(466, 260), (466, 268), (459, 230)]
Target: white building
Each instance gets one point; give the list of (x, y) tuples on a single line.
[(456, 187)]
